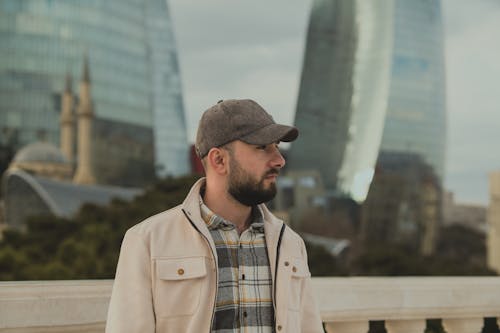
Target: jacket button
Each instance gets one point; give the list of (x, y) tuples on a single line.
[(287, 263), (279, 327), (180, 271), (294, 269)]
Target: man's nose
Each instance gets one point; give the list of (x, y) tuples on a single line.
[(278, 160)]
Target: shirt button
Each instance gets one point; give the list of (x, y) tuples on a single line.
[(245, 314), (243, 276), (279, 327), (180, 271), (287, 263), (294, 269)]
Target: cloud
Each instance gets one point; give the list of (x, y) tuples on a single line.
[(231, 49)]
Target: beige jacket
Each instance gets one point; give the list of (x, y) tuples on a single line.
[(166, 278)]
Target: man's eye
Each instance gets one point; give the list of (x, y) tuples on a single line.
[(262, 147)]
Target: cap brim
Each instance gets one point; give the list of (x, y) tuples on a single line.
[(271, 133)]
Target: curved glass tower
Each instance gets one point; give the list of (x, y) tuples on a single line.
[(372, 80), (343, 93), (416, 112), (135, 84)]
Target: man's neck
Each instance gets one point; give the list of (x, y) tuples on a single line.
[(225, 206)]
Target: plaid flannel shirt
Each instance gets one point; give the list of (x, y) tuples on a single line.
[(244, 301)]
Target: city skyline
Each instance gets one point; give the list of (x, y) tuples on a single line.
[(132, 67), (264, 60)]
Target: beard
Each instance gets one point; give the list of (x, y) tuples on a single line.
[(246, 189)]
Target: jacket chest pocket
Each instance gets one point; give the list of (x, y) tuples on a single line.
[(299, 272), (178, 285)]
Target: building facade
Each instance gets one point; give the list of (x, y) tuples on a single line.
[(372, 80), (469, 215), (343, 93), (416, 113), (403, 204), (171, 148), (134, 82), (371, 110)]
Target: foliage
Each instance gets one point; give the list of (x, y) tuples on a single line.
[(86, 246), (459, 251)]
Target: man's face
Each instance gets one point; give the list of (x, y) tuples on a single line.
[(253, 171)]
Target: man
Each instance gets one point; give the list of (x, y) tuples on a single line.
[(219, 262)]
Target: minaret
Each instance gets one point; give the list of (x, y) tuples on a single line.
[(84, 174), (67, 121)]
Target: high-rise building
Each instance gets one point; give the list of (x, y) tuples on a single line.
[(416, 112), (372, 80), (403, 204), (134, 81), (171, 148), (343, 93)]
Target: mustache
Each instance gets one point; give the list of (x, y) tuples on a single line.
[(272, 172)]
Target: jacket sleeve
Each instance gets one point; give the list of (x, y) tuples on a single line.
[(310, 315), (131, 306)]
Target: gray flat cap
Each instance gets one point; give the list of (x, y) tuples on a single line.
[(243, 120)]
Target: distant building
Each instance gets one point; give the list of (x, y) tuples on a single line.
[(472, 216), (43, 159), (404, 203), (27, 195), (139, 123), (43, 180), (372, 81), (493, 236), (416, 112), (300, 193), (343, 93)]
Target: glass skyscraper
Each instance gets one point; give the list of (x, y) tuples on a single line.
[(372, 80), (343, 93), (171, 148), (416, 113), (135, 83)]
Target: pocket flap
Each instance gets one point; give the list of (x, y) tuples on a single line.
[(181, 268), (299, 268)]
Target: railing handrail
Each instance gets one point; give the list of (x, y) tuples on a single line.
[(83, 303), (405, 298)]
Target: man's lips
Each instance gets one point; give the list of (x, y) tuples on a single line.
[(272, 174)]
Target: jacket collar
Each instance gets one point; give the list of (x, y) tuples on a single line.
[(272, 225), (191, 207)]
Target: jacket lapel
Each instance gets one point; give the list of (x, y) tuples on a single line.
[(191, 207)]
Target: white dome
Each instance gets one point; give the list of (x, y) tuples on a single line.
[(40, 152)]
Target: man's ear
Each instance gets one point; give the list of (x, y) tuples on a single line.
[(217, 159)]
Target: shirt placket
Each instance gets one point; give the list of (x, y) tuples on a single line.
[(245, 238), (234, 237)]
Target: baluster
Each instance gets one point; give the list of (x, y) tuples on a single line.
[(347, 327), (405, 326), (464, 325)]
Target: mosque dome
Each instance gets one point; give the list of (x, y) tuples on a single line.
[(41, 152), (42, 159)]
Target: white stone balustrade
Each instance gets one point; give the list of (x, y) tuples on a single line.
[(346, 304)]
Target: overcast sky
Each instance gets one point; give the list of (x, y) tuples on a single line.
[(239, 49)]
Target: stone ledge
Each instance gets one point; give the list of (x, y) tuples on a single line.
[(406, 298), (81, 305)]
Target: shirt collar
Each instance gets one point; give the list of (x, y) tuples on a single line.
[(214, 221)]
